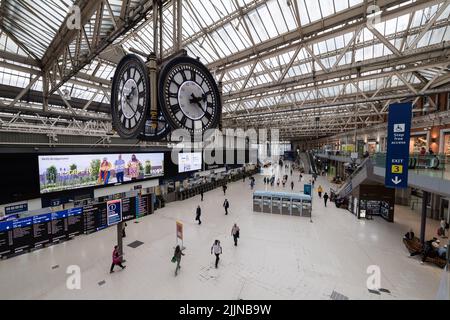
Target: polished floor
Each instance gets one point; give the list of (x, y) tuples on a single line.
[(278, 257)]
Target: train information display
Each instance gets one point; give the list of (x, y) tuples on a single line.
[(6, 229), (22, 234), (59, 225), (42, 229), (75, 225), (128, 208)]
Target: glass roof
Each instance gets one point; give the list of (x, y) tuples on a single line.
[(216, 31)]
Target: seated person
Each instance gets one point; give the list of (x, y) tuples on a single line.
[(409, 235), (430, 249), (442, 252)]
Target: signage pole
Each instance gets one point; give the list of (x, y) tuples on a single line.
[(423, 221), (120, 239)]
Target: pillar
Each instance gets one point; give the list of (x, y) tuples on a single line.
[(424, 216)]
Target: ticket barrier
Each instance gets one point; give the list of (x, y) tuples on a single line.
[(295, 204)]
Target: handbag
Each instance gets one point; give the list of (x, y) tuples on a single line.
[(174, 259)]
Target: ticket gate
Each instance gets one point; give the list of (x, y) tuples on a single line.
[(276, 205), (295, 204), (267, 204)]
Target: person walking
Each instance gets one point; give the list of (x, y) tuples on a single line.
[(319, 191), (252, 184), (177, 258), (300, 177), (198, 214), (325, 198), (217, 250), (292, 185), (201, 194), (224, 187), (278, 182), (116, 259), (226, 205), (235, 233)]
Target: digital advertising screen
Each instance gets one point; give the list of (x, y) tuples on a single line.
[(42, 229), (189, 162), (6, 237), (67, 172)]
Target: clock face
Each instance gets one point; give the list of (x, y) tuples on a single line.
[(150, 134), (189, 95), (130, 96)]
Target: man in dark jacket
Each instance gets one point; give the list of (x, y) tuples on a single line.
[(226, 205), (325, 198), (198, 214)]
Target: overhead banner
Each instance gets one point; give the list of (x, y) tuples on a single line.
[(397, 157)]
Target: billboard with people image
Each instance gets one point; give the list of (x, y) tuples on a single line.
[(66, 172)]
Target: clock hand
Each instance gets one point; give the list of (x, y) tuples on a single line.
[(134, 111)]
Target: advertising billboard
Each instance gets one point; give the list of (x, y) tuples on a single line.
[(66, 172), (189, 162)]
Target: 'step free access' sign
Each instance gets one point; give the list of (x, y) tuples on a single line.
[(397, 157)]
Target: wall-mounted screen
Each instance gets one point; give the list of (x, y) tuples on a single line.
[(189, 162), (66, 172)]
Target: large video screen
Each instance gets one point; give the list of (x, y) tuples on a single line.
[(66, 172), (189, 162)]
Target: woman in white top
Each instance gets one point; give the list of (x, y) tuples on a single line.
[(443, 225), (217, 249)]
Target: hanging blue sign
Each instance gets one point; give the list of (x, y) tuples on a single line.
[(397, 157)]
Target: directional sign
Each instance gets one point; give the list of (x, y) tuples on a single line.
[(397, 157)]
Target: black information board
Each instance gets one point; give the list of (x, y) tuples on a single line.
[(75, 224), (89, 213), (22, 234), (101, 219), (144, 205), (6, 238), (42, 229), (95, 217), (59, 225), (128, 208)]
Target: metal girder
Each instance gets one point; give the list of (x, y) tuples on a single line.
[(72, 50), (342, 22), (419, 56)]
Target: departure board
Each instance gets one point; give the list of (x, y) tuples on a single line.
[(22, 234), (75, 225), (144, 205), (89, 213), (102, 216), (6, 238), (42, 229), (59, 225), (128, 208), (95, 217)]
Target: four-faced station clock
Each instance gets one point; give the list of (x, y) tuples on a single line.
[(188, 98), (130, 95), (188, 95)]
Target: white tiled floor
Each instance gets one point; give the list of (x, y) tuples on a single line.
[(278, 257)]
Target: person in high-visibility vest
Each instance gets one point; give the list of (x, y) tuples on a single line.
[(319, 191)]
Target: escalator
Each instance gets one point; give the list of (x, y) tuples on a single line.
[(312, 163), (304, 158), (362, 172)]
